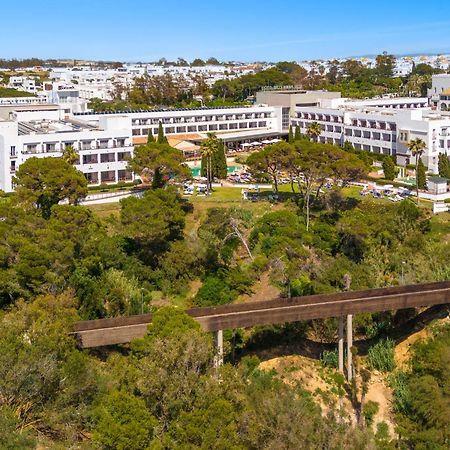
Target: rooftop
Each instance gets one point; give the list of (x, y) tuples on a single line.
[(53, 126), (102, 113), (438, 180)]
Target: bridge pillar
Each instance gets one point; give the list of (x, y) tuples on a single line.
[(218, 341), (341, 345), (349, 346)]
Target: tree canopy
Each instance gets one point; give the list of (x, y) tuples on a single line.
[(44, 182), (158, 164)]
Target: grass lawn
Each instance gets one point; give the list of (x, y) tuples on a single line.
[(104, 210)]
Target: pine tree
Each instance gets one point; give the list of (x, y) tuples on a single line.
[(291, 135), (158, 180), (219, 161), (389, 169), (298, 135), (150, 137), (348, 147), (444, 166), (203, 169), (421, 177), (161, 138)]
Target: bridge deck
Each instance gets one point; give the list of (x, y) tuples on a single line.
[(95, 333)]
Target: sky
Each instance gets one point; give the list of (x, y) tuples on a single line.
[(242, 30)]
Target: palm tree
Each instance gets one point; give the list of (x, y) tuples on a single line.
[(313, 131), (417, 147), (208, 148), (70, 155)]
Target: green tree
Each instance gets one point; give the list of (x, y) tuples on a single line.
[(71, 155), (44, 182), (33, 369), (417, 147), (162, 139), (219, 162), (150, 223), (269, 161), (389, 169), (209, 147), (218, 158), (11, 437), (385, 65), (421, 178), (173, 360), (121, 295), (159, 163), (213, 61), (444, 165), (298, 134), (150, 137), (291, 135), (313, 131), (197, 62), (123, 422)]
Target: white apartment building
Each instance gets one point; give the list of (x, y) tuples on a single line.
[(253, 120), (20, 83), (44, 132), (381, 126), (105, 141)]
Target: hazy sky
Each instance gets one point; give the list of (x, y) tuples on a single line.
[(248, 30)]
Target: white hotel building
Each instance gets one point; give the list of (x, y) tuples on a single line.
[(105, 140), (380, 126), (229, 123), (42, 132)]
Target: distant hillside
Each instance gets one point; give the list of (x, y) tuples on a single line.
[(10, 92)]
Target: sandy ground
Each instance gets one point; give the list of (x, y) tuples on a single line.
[(262, 291)]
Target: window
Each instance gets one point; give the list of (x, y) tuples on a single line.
[(107, 157), (50, 147), (31, 148), (109, 176), (123, 156), (12, 150), (103, 144), (86, 145), (13, 167), (90, 159), (124, 175), (91, 177), (120, 142)]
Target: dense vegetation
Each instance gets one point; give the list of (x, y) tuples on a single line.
[(60, 263), (351, 77), (10, 92)]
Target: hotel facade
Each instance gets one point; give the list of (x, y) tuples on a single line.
[(105, 141)]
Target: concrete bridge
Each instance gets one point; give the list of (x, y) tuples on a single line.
[(96, 333)]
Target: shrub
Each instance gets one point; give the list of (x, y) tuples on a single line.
[(399, 384), (369, 410), (329, 358), (123, 422), (381, 356)]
